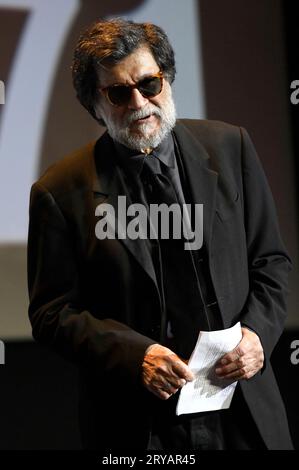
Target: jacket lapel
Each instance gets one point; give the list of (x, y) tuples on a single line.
[(202, 180), (108, 185)]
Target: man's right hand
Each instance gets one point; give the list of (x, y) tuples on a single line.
[(163, 372)]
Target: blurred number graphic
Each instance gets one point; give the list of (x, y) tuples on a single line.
[(23, 115)]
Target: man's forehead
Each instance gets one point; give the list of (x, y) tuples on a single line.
[(129, 70)]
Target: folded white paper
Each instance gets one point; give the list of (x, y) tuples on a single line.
[(207, 392)]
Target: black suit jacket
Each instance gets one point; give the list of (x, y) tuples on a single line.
[(97, 302)]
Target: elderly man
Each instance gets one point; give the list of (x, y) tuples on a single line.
[(128, 310)]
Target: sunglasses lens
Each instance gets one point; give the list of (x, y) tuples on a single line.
[(150, 86), (119, 95)]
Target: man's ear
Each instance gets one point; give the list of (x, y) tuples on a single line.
[(97, 115), (101, 121)]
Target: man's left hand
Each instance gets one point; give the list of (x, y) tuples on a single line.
[(244, 361)]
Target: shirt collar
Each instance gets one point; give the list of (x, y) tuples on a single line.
[(133, 160)]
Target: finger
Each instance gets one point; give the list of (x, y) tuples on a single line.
[(175, 382), (169, 388), (231, 357), (224, 371), (166, 390), (182, 383), (231, 367), (241, 374), (246, 371), (236, 374), (247, 362), (170, 385), (156, 387), (162, 394), (182, 371)]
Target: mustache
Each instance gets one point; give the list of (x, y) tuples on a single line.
[(142, 113)]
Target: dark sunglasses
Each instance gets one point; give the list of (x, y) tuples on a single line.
[(120, 95)]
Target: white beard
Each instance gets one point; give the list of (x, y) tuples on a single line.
[(145, 137)]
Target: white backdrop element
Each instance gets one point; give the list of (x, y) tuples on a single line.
[(23, 115)]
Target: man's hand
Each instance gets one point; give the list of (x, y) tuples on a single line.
[(163, 372), (244, 361)]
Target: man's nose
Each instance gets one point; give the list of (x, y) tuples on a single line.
[(137, 101)]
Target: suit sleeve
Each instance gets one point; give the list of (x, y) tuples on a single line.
[(268, 261), (58, 319)]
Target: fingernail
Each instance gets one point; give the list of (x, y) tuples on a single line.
[(224, 362)]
